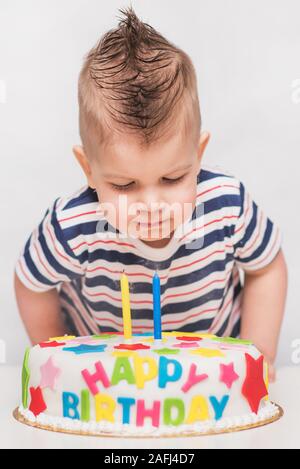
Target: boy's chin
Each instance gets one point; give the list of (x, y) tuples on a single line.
[(157, 241)]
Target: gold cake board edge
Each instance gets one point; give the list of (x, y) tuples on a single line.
[(20, 418)]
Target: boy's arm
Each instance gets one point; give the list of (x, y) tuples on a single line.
[(40, 312), (263, 307)]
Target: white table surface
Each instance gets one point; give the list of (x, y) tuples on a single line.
[(282, 434)]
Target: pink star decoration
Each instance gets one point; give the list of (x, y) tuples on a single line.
[(186, 345), (50, 374), (228, 375)]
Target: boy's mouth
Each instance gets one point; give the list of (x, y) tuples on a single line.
[(152, 225)]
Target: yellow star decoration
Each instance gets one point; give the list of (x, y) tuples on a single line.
[(188, 334), (126, 354), (151, 340), (62, 338), (208, 352)]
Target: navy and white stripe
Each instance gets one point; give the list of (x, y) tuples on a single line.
[(201, 288)]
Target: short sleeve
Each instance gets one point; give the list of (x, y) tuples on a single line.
[(257, 240), (47, 259)]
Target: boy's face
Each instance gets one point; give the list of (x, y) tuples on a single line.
[(146, 193)]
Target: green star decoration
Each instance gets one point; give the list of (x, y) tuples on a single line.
[(232, 340), (25, 379), (166, 351), (104, 336)]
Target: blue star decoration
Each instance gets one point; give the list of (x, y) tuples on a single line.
[(83, 349)]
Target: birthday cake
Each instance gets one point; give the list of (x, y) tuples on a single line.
[(183, 384)]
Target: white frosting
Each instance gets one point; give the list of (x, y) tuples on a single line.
[(237, 412), (269, 411)]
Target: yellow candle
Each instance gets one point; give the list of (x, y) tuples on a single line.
[(126, 307)]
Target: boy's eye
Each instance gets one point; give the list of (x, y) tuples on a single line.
[(173, 181), (128, 186), (122, 188)]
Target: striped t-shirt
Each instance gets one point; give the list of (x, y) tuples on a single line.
[(201, 282)]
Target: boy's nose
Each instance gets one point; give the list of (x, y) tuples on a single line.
[(149, 198)]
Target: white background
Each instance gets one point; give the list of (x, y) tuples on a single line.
[(247, 56)]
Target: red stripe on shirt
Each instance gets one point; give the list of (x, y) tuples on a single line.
[(217, 220), (26, 276), (102, 241), (216, 187), (92, 212)]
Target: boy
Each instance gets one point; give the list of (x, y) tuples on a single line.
[(150, 205)]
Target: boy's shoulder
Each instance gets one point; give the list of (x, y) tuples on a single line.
[(210, 174), (84, 197), (77, 209), (220, 198), (219, 188)]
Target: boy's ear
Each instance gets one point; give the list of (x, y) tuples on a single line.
[(204, 139), (82, 159)]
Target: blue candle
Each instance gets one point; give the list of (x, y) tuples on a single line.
[(156, 306)]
